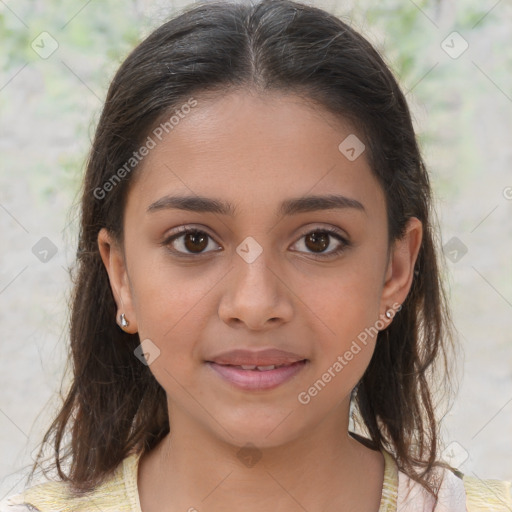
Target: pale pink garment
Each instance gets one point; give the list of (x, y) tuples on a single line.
[(412, 497)]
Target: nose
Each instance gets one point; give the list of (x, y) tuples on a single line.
[(256, 294)]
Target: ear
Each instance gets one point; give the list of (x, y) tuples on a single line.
[(114, 261), (400, 269)]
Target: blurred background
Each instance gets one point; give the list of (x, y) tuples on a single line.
[(452, 58)]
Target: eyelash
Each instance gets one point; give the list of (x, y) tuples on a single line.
[(329, 231)]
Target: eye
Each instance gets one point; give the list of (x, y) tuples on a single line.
[(318, 240), (188, 241), (192, 241)]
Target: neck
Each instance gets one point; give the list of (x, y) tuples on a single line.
[(322, 469)]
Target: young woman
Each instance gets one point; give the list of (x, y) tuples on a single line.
[(257, 266)]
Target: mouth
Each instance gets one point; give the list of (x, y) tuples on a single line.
[(261, 368), (257, 377)]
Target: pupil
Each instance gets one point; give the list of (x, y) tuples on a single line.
[(196, 238)]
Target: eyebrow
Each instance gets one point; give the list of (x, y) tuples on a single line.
[(288, 207)]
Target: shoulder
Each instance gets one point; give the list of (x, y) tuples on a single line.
[(56, 496), (22, 503), (495, 495), (457, 492), (51, 496), (7, 505), (474, 494)]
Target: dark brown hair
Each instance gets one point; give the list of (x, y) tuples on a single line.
[(114, 406)]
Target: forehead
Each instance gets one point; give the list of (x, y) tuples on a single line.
[(253, 150)]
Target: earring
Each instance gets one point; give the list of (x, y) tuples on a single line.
[(390, 313), (124, 322)]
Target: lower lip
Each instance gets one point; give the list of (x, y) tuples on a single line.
[(255, 380)]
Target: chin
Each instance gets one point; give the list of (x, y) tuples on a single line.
[(267, 431)]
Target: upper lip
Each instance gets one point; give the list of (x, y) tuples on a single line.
[(267, 357)]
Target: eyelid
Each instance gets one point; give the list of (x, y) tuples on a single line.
[(329, 229), (186, 228)]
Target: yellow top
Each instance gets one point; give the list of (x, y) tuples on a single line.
[(120, 493)]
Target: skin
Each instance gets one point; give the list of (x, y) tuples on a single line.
[(256, 151)]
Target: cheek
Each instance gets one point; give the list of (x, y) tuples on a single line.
[(345, 309), (343, 348), (168, 297), (345, 301), (171, 311)]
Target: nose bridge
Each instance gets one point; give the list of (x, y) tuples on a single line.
[(252, 272), (255, 294)]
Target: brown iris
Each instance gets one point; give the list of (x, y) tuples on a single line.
[(320, 241), (196, 240)]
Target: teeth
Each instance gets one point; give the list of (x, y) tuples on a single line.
[(261, 368)]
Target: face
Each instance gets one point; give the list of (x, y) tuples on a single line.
[(276, 270)]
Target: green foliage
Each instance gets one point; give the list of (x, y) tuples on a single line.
[(94, 37), (411, 33)]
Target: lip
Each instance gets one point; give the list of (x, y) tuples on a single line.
[(256, 380), (269, 356)]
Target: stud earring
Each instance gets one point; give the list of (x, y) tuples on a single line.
[(124, 322), (390, 313)]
